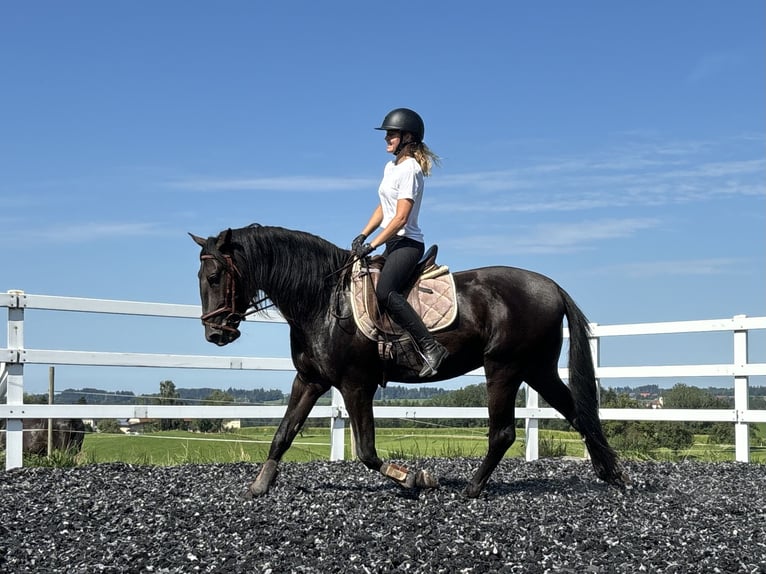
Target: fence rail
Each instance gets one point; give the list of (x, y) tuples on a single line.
[(16, 356)]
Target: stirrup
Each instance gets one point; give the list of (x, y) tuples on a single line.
[(430, 368)]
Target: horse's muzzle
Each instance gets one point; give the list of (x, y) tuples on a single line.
[(222, 334), (222, 338)]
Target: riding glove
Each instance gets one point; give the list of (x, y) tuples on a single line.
[(363, 250), (358, 241)]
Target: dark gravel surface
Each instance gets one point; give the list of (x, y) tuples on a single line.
[(545, 516)]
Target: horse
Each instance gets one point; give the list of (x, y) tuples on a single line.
[(68, 436), (510, 321)]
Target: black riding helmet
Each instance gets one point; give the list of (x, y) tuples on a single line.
[(404, 120)]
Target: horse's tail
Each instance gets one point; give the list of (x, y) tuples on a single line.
[(582, 375), (584, 389)]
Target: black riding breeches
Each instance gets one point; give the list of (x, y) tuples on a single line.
[(402, 255)]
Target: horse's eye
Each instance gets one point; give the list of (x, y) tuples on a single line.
[(214, 279)]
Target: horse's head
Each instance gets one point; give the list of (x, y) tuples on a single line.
[(224, 299)]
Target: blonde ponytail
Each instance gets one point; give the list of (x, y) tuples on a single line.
[(425, 157)]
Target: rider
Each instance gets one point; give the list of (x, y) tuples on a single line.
[(400, 193)]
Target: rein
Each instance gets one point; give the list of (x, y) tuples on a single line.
[(344, 267), (229, 310), (338, 291)]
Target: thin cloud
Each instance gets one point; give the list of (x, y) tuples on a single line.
[(704, 267), (647, 171), (711, 65), (553, 238), (290, 183), (94, 231), (524, 204), (628, 179)]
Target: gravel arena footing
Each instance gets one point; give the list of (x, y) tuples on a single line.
[(544, 516)]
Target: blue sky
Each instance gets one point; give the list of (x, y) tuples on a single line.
[(616, 147)]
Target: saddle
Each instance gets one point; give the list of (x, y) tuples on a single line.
[(431, 293)]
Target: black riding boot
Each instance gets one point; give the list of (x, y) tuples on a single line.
[(405, 316)]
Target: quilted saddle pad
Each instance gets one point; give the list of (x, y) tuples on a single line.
[(433, 297)]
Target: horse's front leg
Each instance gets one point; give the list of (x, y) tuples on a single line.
[(303, 397), (359, 406)]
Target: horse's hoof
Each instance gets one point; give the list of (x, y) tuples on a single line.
[(622, 480), (615, 476), (472, 491), (257, 488), (399, 474), (410, 481), (256, 492), (264, 480), (424, 479)]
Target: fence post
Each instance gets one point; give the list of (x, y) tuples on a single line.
[(337, 427), (595, 351), (14, 436), (741, 392), (531, 426)]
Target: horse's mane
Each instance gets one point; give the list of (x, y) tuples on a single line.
[(296, 270)]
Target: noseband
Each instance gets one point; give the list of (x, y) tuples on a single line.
[(229, 307)]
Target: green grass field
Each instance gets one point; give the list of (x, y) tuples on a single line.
[(252, 444)]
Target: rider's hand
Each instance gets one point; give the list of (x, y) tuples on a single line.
[(363, 250), (358, 241)]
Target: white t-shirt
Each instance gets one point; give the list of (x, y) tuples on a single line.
[(403, 181)]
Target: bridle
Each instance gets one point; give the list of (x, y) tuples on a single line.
[(229, 307)]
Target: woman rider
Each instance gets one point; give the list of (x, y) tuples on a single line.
[(400, 194)]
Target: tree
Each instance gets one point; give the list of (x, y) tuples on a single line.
[(723, 433), (109, 426), (673, 435), (216, 398), (169, 396), (645, 436), (685, 397), (168, 393), (469, 396)]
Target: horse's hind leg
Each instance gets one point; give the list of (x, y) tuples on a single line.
[(553, 390), (501, 398), (303, 396)]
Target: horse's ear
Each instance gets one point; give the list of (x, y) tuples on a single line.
[(224, 240), (198, 240)]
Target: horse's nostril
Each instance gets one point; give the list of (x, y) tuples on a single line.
[(214, 338)]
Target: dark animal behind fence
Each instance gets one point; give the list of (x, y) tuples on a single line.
[(509, 321), (68, 435)]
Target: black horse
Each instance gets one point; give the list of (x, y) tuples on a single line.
[(68, 436), (509, 321)]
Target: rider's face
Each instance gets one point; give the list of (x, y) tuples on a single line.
[(393, 137)]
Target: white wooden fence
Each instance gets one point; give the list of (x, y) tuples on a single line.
[(16, 356)]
